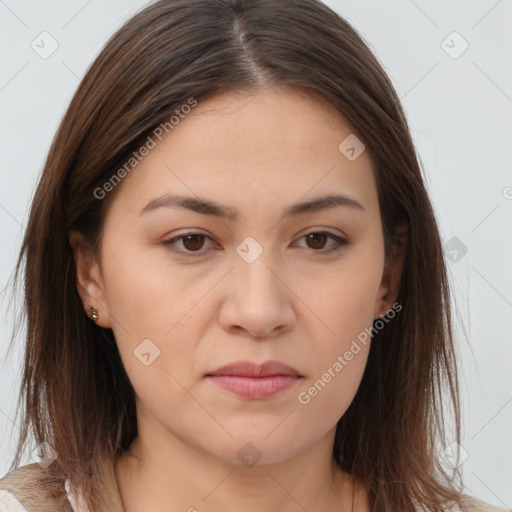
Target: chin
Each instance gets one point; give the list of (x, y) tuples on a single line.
[(253, 447)]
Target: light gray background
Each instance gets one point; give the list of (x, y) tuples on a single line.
[(460, 114)]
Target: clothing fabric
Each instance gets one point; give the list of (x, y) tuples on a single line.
[(31, 497), (8, 502), (74, 498)]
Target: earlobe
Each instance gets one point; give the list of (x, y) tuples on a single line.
[(392, 274), (88, 279)]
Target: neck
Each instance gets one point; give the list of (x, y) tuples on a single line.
[(165, 478)]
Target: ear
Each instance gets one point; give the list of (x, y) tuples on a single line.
[(392, 273), (88, 278)]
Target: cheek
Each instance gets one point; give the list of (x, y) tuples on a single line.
[(345, 305), (341, 354), (156, 303), (141, 294), (345, 300), (326, 398)]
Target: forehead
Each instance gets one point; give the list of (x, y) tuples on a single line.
[(263, 120), (278, 144)]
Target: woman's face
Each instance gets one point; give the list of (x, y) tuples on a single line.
[(250, 285)]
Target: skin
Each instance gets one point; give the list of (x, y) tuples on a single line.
[(258, 153)]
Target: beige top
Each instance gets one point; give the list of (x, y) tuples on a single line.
[(75, 501), (15, 497), (9, 502)]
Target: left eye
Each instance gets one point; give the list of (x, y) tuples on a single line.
[(193, 242), (319, 238)]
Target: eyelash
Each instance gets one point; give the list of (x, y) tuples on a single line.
[(340, 243)]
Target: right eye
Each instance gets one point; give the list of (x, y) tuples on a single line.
[(191, 241)]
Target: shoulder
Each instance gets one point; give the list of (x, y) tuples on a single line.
[(470, 504), (29, 488)]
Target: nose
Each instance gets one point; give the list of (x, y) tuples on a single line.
[(259, 300)]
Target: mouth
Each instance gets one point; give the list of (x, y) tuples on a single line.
[(255, 381)]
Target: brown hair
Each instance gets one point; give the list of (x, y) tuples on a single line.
[(76, 394)]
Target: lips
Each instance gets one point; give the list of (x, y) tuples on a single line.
[(250, 369), (255, 381)]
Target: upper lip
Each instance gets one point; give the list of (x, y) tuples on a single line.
[(250, 369)]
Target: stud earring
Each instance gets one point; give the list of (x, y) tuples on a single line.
[(93, 313)]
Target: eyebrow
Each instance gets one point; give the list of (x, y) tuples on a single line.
[(208, 207)]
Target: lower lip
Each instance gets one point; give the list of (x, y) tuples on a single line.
[(255, 387)]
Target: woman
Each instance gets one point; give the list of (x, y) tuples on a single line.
[(236, 293)]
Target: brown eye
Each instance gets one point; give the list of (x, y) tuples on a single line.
[(317, 240), (188, 245), (193, 242)]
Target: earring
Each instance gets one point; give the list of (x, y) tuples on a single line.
[(93, 313), (381, 315)]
